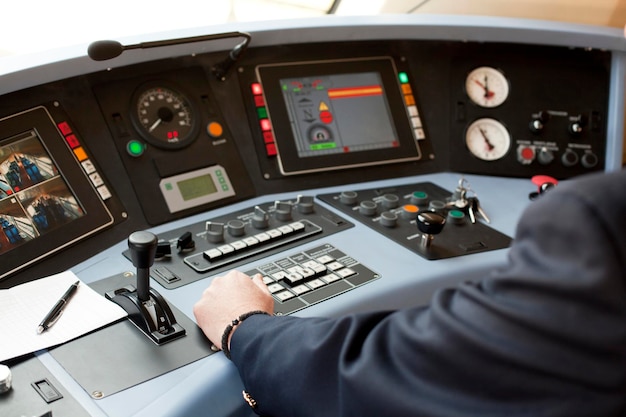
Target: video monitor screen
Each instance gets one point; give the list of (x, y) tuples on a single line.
[(337, 114), (34, 198), (46, 200)]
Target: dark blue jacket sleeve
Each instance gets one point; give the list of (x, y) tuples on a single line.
[(546, 336)]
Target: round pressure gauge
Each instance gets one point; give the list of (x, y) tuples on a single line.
[(164, 116), (487, 87), (487, 139)]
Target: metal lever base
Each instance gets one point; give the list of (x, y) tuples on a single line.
[(153, 317)]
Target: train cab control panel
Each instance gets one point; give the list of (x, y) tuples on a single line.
[(356, 164)]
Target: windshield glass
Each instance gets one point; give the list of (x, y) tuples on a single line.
[(40, 25)]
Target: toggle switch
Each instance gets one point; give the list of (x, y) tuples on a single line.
[(185, 242)]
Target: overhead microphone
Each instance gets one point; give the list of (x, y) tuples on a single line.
[(109, 49)]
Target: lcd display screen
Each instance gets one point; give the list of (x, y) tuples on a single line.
[(196, 187), (327, 113), (338, 114)]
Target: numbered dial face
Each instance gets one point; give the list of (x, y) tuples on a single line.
[(488, 139), (165, 117), (487, 87)]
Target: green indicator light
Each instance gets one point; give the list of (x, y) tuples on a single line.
[(320, 146), (261, 112), (403, 77), (135, 148)]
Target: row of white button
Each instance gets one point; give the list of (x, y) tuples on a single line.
[(260, 238)]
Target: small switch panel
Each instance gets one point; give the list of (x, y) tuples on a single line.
[(47, 391)]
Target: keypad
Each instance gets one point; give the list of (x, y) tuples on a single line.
[(305, 278)]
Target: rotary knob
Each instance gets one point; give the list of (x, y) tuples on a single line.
[(304, 204), (367, 208), (260, 218), (214, 232), (545, 156), (282, 211), (390, 201), (236, 227), (348, 198), (388, 218)]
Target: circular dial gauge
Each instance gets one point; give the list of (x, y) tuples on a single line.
[(164, 116), (487, 139), (487, 87)]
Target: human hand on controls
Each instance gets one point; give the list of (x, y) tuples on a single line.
[(228, 297)]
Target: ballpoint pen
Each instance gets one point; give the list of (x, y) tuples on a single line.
[(55, 312)]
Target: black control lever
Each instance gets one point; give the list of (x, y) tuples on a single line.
[(430, 224), (146, 308)]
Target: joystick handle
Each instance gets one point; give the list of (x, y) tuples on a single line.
[(429, 223), (143, 246)]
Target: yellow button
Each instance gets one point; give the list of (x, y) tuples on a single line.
[(215, 129)]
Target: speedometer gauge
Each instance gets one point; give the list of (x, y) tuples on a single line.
[(164, 116)]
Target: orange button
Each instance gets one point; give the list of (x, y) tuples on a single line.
[(214, 129), (409, 100), (406, 89), (80, 153)]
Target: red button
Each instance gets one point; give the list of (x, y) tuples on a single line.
[(270, 149), (72, 140), (65, 128), (268, 137), (265, 124), (259, 101), (256, 89)]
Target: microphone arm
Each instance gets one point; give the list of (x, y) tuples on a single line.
[(107, 49)]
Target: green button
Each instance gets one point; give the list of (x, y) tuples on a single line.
[(168, 186), (135, 148)]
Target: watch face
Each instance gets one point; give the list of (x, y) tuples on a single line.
[(487, 87), (487, 139)]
